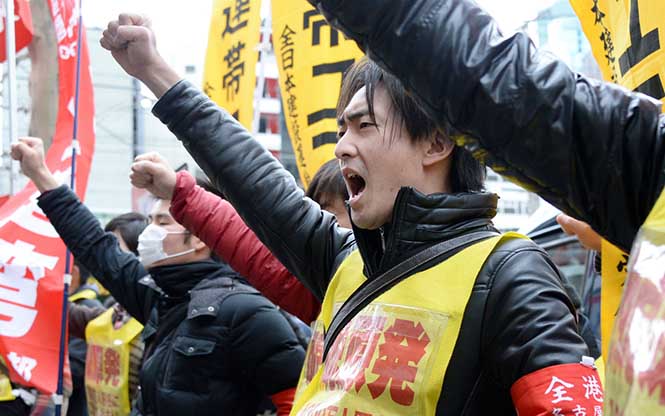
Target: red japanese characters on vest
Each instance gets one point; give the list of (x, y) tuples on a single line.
[(566, 389)]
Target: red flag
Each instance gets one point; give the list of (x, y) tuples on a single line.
[(31, 254), (23, 27)]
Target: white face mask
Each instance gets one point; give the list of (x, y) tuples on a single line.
[(151, 245)]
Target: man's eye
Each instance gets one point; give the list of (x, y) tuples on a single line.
[(366, 124), (340, 134)]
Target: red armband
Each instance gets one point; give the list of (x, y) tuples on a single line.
[(566, 389), (283, 401)]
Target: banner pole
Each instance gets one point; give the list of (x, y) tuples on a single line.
[(10, 41), (263, 47), (72, 185)]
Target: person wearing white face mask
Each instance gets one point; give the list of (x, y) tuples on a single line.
[(211, 341), (151, 245)]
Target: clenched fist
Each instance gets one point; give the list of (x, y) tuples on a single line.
[(152, 172), (132, 44), (29, 151)]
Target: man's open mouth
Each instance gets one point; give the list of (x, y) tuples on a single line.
[(356, 185)]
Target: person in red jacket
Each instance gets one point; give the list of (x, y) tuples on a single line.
[(218, 224)]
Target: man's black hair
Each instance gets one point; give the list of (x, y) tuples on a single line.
[(130, 226), (466, 173)]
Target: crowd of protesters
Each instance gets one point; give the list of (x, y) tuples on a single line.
[(417, 304)]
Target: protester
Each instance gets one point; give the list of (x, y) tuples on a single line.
[(500, 319), (11, 404), (126, 228), (81, 293), (216, 223), (328, 189), (212, 342), (593, 149)]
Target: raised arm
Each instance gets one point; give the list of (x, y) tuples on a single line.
[(265, 195), (594, 150), (98, 251)]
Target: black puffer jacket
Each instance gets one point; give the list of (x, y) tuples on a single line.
[(592, 149), (213, 344), (518, 319)]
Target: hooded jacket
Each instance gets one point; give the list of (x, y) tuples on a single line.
[(212, 342), (518, 319)]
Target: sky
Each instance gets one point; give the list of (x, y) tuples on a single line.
[(181, 28)]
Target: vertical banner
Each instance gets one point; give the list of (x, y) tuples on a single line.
[(32, 256), (627, 39), (22, 24), (311, 58), (229, 77)]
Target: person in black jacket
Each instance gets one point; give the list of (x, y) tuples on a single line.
[(510, 346), (214, 345), (592, 149)]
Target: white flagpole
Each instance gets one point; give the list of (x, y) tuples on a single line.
[(10, 39)]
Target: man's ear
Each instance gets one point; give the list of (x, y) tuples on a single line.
[(438, 148), (197, 244)]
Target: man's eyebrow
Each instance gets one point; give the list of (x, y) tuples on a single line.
[(352, 115)]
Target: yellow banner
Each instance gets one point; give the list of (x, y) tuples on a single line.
[(613, 269), (229, 77), (627, 38), (311, 59)]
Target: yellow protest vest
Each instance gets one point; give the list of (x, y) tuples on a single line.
[(107, 365), (88, 294), (391, 358), (635, 373), (5, 389)]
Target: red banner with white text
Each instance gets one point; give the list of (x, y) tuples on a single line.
[(22, 26), (32, 257)]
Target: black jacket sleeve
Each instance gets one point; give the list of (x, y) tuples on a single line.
[(593, 149), (265, 194), (264, 347), (529, 319), (98, 251)]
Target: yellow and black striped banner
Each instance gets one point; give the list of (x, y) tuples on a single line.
[(229, 76), (311, 59), (627, 38)]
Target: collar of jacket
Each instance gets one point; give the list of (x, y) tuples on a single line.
[(176, 281), (420, 221)]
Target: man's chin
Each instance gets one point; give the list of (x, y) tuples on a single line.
[(362, 222)]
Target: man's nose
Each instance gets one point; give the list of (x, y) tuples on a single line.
[(345, 148)]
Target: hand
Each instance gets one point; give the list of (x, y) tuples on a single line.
[(587, 236), (152, 172), (29, 151), (132, 44)]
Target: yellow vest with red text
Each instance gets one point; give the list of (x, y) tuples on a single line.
[(391, 358), (107, 365)]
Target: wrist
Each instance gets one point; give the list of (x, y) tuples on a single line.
[(44, 180), (159, 77)]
